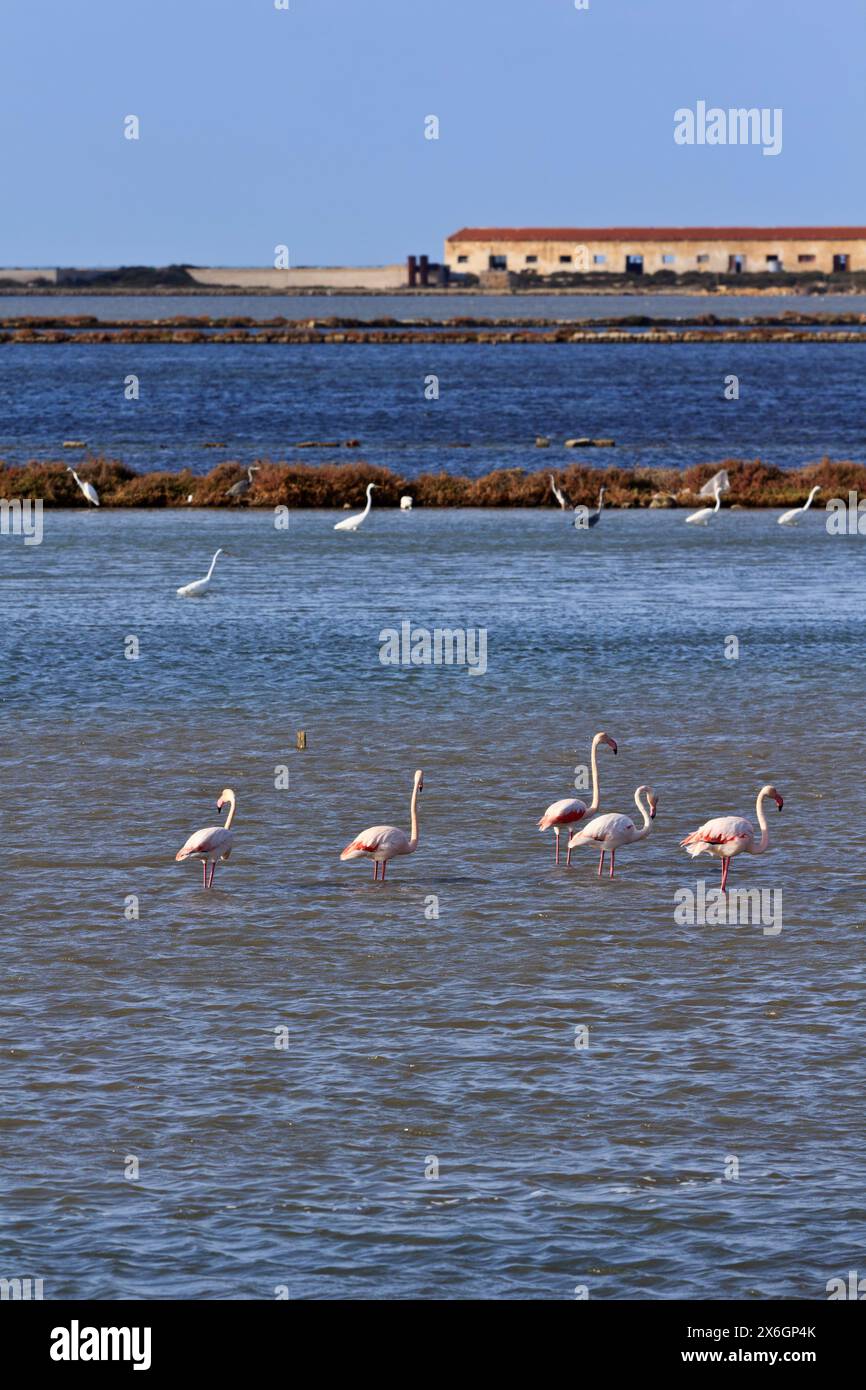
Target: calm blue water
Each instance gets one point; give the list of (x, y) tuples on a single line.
[(433, 305), (411, 1037), (663, 404)]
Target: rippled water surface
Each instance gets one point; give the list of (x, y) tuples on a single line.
[(413, 1037)]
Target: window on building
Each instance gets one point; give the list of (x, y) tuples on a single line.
[(532, 260), (703, 258), (565, 260), (599, 259), (462, 260), (498, 262), (840, 262), (774, 261), (668, 258), (805, 260)]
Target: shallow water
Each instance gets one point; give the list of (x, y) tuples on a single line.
[(663, 404), (431, 305), (411, 1037)]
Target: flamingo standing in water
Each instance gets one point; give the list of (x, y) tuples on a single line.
[(213, 843), (383, 842), (612, 830), (571, 810), (353, 522), (726, 836), (793, 516)]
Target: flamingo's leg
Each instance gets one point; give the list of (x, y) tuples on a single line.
[(384, 867), (600, 863), (204, 873), (568, 854), (612, 861), (726, 864), (556, 844), (375, 870), (212, 872)]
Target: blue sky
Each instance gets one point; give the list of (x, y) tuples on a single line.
[(306, 126)]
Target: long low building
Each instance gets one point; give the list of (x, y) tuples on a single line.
[(645, 250)]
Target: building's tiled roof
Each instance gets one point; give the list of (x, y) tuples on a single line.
[(581, 234)]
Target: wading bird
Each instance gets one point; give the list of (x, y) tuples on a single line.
[(569, 811), (610, 831), (559, 495), (406, 504), (213, 843), (793, 516), (702, 517), (242, 487), (200, 586), (382, 842), (87, 488), (592, 518), (353, 522), (726, 836)]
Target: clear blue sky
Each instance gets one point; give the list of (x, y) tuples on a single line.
[(305, 127)]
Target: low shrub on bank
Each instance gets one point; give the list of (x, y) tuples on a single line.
[(337, 485)]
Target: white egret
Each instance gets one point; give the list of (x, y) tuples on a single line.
[(87, 488), (702, 517), (352, 523), (558, 493), (792, 517), (200, 586)]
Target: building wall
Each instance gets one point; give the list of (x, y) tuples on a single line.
[(29, 277), (368, 277), (710, 255)]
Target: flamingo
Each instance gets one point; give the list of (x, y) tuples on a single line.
[(383, 842), (790, 518), (560, 496), (353, 522), (702, 517), (200, 586), (213, 843), (611, 831), (572, 809), (243, 485), (87, 488), (593, 518), (726, 836)]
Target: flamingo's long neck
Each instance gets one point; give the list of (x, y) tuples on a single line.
[(764, 841), (413, 813), (644, 810), (594, 765), (212, 563), (231, 814)]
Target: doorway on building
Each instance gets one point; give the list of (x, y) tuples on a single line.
[(634, 265), (498, 262), (840, 262), (736, 265)]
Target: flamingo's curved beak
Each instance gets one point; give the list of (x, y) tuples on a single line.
[(612, 743), (220, 804), (652, 812), (779, 802)]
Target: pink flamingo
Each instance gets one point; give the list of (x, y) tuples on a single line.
[(726, 836), (613, 830), (570, 810), (383, 842), (213, 843)]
